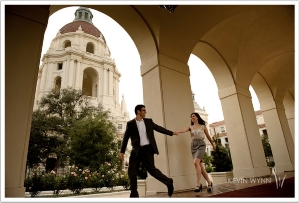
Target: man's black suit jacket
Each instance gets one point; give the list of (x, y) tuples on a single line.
[(133, 133)]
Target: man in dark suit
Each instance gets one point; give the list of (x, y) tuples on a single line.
[(140, 131)]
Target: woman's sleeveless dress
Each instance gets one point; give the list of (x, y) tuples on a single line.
[(198, 145)]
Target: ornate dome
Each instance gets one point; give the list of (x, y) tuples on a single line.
[(83, 18), (196, 106)]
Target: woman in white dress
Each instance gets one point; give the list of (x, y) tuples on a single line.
[(198, 132)]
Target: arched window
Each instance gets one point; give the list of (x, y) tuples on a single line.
[(57, 84), (90, 82), (67, 44), (90, 48)]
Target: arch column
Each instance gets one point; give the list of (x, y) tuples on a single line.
[(22, 66), (246, 148), (78, 73), (99, 87), (105, 81), (71, 73), (65, 72), (44, 73), (117, 90), (166, 87), (110, 82), (49, 80), (289, 106), (37, 90), (279, 135)]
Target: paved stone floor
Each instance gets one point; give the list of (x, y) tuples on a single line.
[(224, 187), (217, 189)]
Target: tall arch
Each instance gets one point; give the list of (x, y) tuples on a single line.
[(90, 82), (57, 84), (276, 122)]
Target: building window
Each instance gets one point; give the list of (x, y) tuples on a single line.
[(222, 129), (80, 14), (67, 44), (119, 126), (59, 66), (85, 16), (90, 48)]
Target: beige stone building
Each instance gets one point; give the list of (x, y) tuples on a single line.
[(79, 57), (242, 45), (220, 127)]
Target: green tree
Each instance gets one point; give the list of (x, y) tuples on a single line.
[(52, 122), (207, 161), (221, 159), (93, 141), (266, 145)]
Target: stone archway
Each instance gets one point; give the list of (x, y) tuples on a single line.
[(165, 42), (90, 82)]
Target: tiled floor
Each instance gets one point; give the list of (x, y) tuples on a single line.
[(224, 187), (217, 189)]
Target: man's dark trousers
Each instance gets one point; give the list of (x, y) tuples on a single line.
[(146, 156)]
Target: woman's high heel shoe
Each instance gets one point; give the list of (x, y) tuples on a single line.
[(210, 187), (198, 188)]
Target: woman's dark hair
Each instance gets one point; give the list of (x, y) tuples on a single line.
[(138, 108), (200, 120)]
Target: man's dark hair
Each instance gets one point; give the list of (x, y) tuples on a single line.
[(138, 107)]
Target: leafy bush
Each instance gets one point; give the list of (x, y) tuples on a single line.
[(123, 179), (209, 169), (108, 173), (75, 180), (96, 181), (221, 159), (271, 163), (33, 182)]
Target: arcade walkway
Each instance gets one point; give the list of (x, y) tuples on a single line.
[(249, 188)]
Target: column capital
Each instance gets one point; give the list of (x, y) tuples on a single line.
[(233, 89), (271, 105), (164, 61)]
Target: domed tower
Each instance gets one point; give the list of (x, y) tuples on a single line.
[(79, 57)]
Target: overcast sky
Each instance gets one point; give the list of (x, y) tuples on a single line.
[(127, 59)]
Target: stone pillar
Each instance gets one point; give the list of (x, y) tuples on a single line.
[(117, 89), (110, 82), (289, 106), (164, 79), (99, 87), (246, 148), (38, 84), (44, 74), (71, 73), (280, 137), (105, 82), (21, 71), (77, 76), (49, 83), (65, 74)]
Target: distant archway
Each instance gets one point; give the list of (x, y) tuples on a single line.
[(90, 82)]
